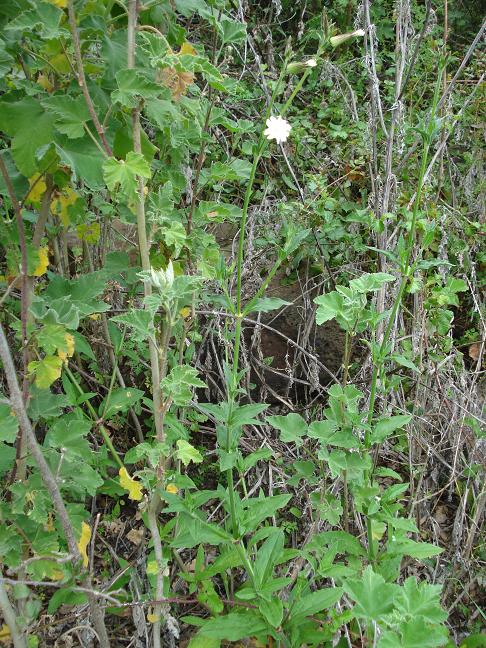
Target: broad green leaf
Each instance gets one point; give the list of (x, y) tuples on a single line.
[(369, 282), (265, 305), (314, 603), (9, 424), (420, 599), (71, 114), (124, 173), (272, 611), (257, 509), (133, 85), (46, 371), (344, 542), (292, 427), (415, 633), (330, 306), (44, 17), (386, 425), (413, 549), (70, 433), (200, 641), (187, 453), (180, 382), (268, 555), (174, 235), (6, 60), (234, 626), (119, 401), (43, 404), (83, 157), (140, 322), (327, 433), (30, 127), (372, 595), (233, 31)]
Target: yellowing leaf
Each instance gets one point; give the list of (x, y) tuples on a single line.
[(172, 488), (43, 262), (44, 82), (62, 4), (60, 63), (89, 232), (38, 188), (46, 371), (187, 48), (177, 82), (5, 636), (56, 575), (133, 486), (152, 568), (68, 352), (60, 205), (84, 541)]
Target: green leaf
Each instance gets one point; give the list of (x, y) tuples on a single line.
[(404, 362), (372, 595), (420, 599), (132, 86), (233, 31), (43, 404), (415, 633), (272, 611), (386, 425), (328, 434), (45, 17), (119, 401), (189, 7), (174, 235), (124, 173), (369, 282), (187, 453), (330, 306), (30, 127), (71, 114), (292, 427), (268, 555), (70, 433), (9, 424), (413, 549), (265, 305), (234, 626), (180, 382), (200, 641), (6, 60), (315, 603), (139, 320), (46, 371), (83, 157)]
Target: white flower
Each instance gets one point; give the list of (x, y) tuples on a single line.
[(277, 129), (342, 38), (311, 63)]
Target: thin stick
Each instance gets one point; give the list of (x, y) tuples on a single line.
[(10, 617), (82, 77), (48, 478)]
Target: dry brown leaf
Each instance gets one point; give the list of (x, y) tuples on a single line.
[(136, 536), (474, 351), (177, 82)]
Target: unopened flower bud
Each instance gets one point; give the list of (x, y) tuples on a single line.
[(342, 38)]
